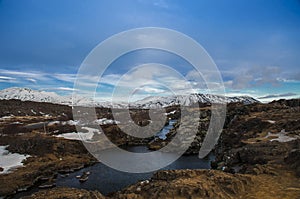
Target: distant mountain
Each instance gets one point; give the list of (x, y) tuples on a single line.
[(187, 100), (26, 94)]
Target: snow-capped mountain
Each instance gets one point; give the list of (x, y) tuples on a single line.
[(187, 100), (26, 94)]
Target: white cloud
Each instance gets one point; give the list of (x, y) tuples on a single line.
[(111, 79), (278, 95), (271, 97), (149, 89), (148, 79), (65, 77), (152, 78), (243, 78), (6, 78), (31, 80), (65, 89), (28, 74)]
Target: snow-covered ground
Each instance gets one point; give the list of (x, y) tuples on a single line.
[(106, 121), (9, 160), (170, 113), (271, 121), (281, 136), (72, 122), (80, 135), (69, 122), (6, 117)]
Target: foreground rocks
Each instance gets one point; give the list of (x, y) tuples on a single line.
[(189, 184), (66, 193)]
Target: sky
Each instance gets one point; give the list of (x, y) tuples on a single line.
[(255, 44)]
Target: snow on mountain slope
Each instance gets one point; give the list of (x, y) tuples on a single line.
[(187, 100), (26, 94)]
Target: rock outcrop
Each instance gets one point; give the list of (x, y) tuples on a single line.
[(188, 184)]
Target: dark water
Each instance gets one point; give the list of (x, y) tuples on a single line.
[(162, 134), (107, 180)]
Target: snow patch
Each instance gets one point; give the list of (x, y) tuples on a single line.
[(106, 121), (6, 117), (53, 123), (171, 113), (72, 122), (80, 135), (281, 136), (91, 130), (9, 161), (76, 136), (271, 121)]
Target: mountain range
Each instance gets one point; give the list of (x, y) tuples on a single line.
[(27, 94)]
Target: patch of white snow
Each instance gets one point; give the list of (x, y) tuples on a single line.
[(9, 161), (271, 121), (281, 136), (80, 135)]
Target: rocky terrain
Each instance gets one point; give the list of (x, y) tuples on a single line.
[(261, 134), (257, 155), (48, 157), (67, 193), (197, 119)]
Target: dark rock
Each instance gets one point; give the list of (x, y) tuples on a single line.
[(293, 159)]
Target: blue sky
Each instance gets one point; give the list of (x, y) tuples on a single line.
[(255, 44)]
